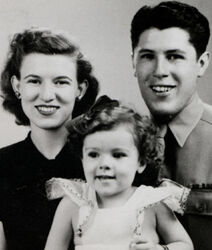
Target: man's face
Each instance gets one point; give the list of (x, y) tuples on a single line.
[(167, 69)]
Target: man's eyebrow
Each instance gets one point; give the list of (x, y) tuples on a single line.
[(175, 51), (141, 50)]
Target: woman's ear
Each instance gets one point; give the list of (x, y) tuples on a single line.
[(141, 168), (16, 86), (203, 63), (15, 83), (82, 88)]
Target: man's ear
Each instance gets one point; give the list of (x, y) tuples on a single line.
[(82, 88), (133, 58), (203, 63)]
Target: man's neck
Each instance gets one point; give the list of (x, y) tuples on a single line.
[(162, 119)]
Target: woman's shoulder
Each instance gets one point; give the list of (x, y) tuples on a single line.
[(10, 156), (13, 148)]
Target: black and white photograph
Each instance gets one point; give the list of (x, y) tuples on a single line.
[(105, 125)]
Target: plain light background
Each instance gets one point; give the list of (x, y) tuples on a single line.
[(102, 28)]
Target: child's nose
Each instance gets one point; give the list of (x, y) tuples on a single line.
[(104, 167), (105, 162)]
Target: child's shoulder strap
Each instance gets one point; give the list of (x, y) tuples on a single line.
[(77, 190), (171, 195)]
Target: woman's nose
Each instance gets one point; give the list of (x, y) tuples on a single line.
[(47, 92)]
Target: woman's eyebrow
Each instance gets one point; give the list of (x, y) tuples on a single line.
[(31, 75), (63, 77)]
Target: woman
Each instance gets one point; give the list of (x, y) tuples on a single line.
[(45, 82)]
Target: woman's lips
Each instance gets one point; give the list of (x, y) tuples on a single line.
[(47, 110)]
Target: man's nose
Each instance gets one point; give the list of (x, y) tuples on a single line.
[(160, 68), (47, 92)]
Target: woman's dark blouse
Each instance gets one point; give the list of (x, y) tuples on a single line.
[(24, 209)]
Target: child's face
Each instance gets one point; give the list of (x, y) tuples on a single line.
[(110, 161), (167, 69)]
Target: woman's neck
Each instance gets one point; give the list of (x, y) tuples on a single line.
[(49, 142)]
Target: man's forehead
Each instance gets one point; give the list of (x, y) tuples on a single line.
[(167, 39)]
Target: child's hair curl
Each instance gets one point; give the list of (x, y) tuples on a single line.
[(107, 114)]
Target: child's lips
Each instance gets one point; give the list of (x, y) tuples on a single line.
[(104, 177)]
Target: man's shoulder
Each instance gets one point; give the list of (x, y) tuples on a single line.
[(207, 114)]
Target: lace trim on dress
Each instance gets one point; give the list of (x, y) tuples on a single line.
[(170, 193), (79, 192), (178, 200)]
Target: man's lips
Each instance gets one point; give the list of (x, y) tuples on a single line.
[(162, 88)]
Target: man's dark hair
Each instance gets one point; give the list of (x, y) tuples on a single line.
[(172, 14)]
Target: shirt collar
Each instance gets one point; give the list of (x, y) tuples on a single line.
[(182, 125)]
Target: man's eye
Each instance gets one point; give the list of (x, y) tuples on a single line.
[(174, 57), (93, 154), (119, 155), (147, 56)]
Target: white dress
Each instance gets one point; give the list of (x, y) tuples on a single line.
[(111, 228)]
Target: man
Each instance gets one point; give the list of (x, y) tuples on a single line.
[(169, 44)]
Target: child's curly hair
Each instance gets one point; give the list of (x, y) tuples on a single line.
[(108, 114)]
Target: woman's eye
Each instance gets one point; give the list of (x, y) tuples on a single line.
[(119, 155), (34, 81), (93, 154), (62, 82)]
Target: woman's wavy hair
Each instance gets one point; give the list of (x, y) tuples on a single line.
[(45, 41), (111, 114)]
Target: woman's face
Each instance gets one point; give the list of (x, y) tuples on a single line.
[(48, 89)]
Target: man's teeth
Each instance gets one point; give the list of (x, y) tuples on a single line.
[(161, 88)]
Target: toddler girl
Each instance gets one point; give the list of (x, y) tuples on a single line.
[(108, 212)]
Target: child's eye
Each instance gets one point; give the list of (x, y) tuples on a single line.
[(119, 155), (93, 154)]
